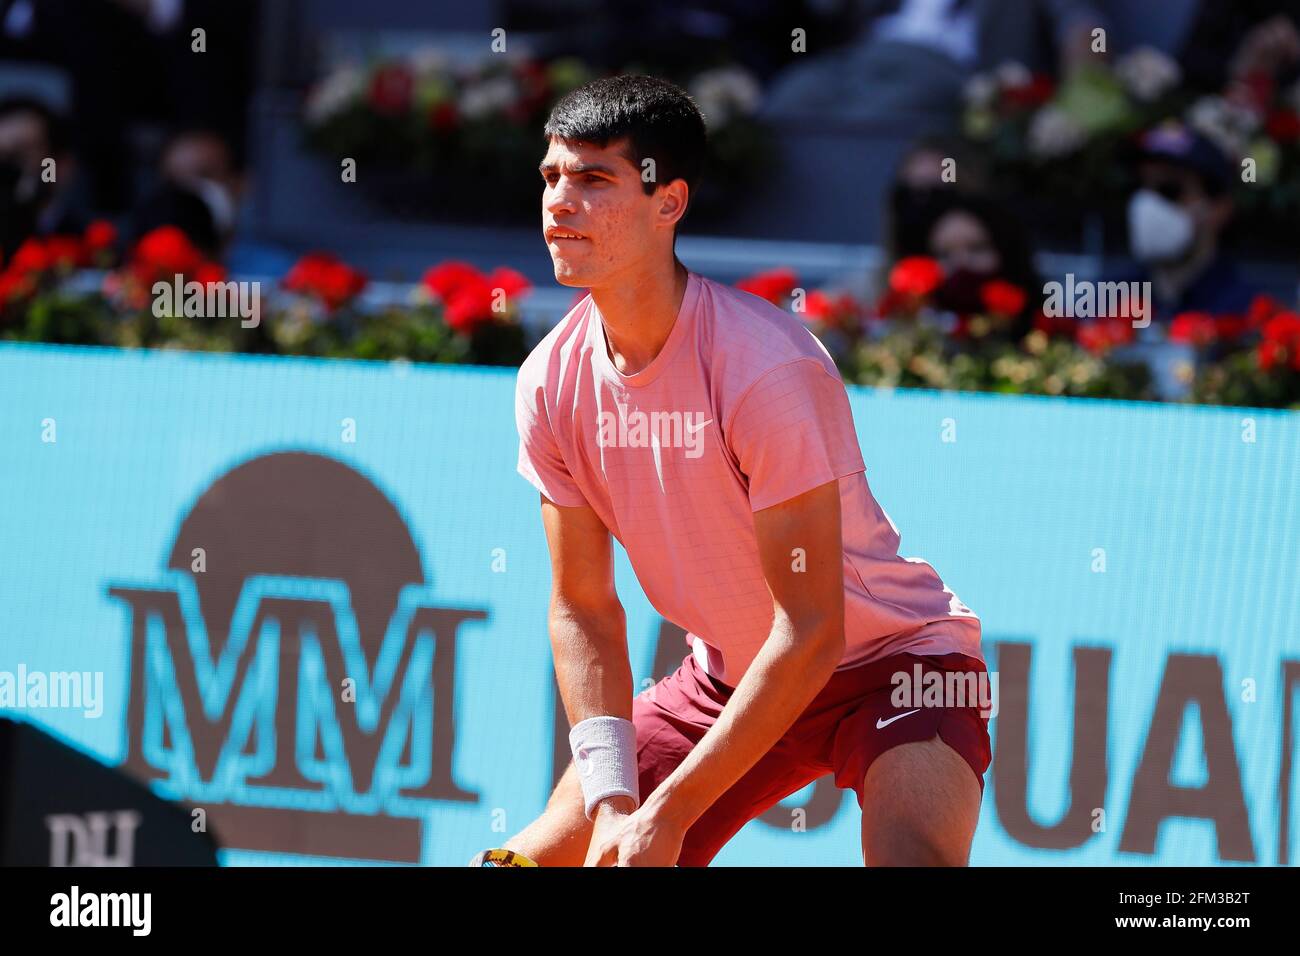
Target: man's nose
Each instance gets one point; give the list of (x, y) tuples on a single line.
[(560, 197)]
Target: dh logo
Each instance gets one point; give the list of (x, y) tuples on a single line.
[(84, 840)]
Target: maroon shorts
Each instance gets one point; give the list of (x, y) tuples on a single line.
[(847, 726)]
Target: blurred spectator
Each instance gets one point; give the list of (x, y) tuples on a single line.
[(30, 204), (179, 206), (202, 190), (912, 58), (1235, 40), (932, 167), (1177, 219), (202, 161), (115, 51), (979, 241)]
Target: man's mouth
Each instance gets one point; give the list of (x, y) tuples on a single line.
[(560, 234)]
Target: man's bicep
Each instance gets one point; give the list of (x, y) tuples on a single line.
[(802, 554), (582, 555), (793, 432)]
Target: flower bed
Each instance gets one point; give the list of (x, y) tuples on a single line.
[(455, 314), (905, 341)]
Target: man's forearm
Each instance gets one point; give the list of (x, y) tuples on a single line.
[(593, 671), (591, 662), (789, 671)]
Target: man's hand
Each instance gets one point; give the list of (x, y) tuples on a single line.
[(610, 814), (640, 838)]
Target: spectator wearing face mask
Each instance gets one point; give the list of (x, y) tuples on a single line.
[(1177, 218)]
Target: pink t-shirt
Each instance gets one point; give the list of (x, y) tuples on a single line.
[(742, 409)]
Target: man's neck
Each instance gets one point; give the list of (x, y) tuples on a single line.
[(638, 316)]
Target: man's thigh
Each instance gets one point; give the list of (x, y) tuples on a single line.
[(917, 767), (920, 806)]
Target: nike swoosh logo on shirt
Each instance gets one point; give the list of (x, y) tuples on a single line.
[(882, 724), (694, 428)]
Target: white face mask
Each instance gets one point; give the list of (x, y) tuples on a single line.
[(1158, 230)]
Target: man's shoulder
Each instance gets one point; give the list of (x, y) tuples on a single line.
[(555, 346), (752, 337)]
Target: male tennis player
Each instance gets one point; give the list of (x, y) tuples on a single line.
[(710, 433)]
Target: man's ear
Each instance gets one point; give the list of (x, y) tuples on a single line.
[(673, 199)]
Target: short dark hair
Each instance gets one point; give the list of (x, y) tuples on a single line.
[(658, 120)]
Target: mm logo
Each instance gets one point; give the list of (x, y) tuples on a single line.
[(291, 673)]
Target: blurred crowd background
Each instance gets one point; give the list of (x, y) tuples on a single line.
[(910, 176)]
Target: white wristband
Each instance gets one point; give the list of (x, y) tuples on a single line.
[(604, 752)]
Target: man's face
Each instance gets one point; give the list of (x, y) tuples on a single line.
[(596, 217), (199, 156)]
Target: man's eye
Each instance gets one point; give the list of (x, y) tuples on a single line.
[(593, 178)]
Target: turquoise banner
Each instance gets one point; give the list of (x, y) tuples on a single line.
[(312, 596)]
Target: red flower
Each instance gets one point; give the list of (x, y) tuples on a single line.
[(443, 116), (839, 310), (14, 286), (391, 88), (325, 277), (469, 306), (209, 272), (1268, 355), (445, 278), (164, 252), (916, 276), (467, 295), (774, 285), (1194, 328), (1261, 308), (1280, 341), (64, 252), (1230, 327), (1030, 95), (30, 257), (1003, 298), (1283, 327), (512, 283), (1283, 126), (100, 235), (889, 303), (1099, 336), (1052, 325), (1254, 91)]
